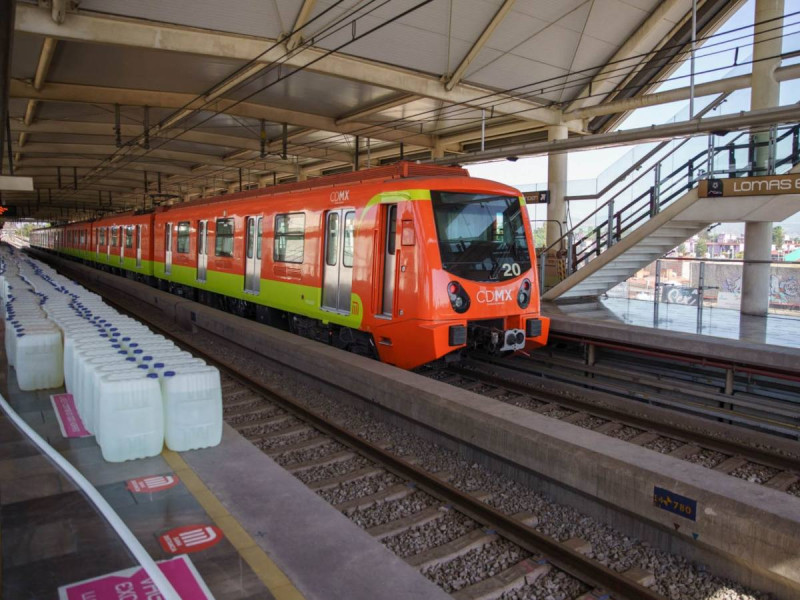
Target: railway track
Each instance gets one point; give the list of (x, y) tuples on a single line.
[(681, 437), (472, 549), (751, 398), (473, 532), (392, 499)]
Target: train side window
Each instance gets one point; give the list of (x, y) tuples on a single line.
[(332, 241), (129, 236), (258, 239), (349, 239), (183, 237), (114, 237), (223, 244), (82, 241), (250, 234), (102, 236), (289, 237), (392, 245)]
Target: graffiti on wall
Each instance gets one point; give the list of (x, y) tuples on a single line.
[(723, 284), (784, 283)]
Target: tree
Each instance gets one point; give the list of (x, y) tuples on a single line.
[(700, 248), (539, 237), (777, 237), (25, 230)]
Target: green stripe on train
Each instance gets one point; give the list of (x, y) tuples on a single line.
[(128, 262), (282, 295)]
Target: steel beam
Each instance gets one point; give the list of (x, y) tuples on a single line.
[(484, 37), (42, 68), (645, 39), (7, 12), (65, 161), (733, 122), (375, 108), (303, 15), (62, 92), (96, 28), (720, 86), (196, 136), (108, 150)]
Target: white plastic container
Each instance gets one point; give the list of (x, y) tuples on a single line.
[(192, 408), (92, 389), (84, 382), (73, 342), (39, 360), (131, 417)]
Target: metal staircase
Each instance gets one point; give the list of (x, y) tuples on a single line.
[(669, 211)]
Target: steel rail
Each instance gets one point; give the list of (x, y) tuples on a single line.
[(587, 570), (740, 367), (732, 448)]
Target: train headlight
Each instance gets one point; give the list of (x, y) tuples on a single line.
[(524, 294), (459, 299)]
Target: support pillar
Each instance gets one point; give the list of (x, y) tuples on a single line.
[(7, 13), (557, 185), (764, 93)]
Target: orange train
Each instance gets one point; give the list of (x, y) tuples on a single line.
[(407, 263)]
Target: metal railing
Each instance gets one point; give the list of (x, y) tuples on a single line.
[(582, 245)]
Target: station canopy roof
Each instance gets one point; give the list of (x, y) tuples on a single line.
[(319, 81)]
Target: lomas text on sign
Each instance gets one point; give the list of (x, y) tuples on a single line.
[(768, 185)]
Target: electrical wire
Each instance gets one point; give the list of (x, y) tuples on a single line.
[(449, 112), (563, 87)]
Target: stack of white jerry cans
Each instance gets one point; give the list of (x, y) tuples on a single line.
[(133, 389)]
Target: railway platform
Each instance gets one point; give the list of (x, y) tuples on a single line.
[(724, 335), (230, 521)]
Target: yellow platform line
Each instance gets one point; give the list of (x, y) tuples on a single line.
[(266, 570)]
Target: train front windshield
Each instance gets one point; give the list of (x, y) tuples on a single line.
[(481, 237)]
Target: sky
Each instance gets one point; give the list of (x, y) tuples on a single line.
[(585, 167)]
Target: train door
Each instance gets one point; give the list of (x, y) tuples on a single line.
[(202, 250), (337, 278), (389, 259), (252, 273), (138, 243), (97, 240), (168, 249)]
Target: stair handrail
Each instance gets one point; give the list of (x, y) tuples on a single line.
[(711, 106), (656, 192), (657, 198), (635, 166)]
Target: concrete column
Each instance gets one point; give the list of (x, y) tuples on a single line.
[(755, 277), (557, 184), (764, 93), (437, 151)]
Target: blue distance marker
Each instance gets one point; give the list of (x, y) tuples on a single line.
[(675, 503)]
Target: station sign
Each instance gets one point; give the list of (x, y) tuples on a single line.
[(767, 185), (540, 197)]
